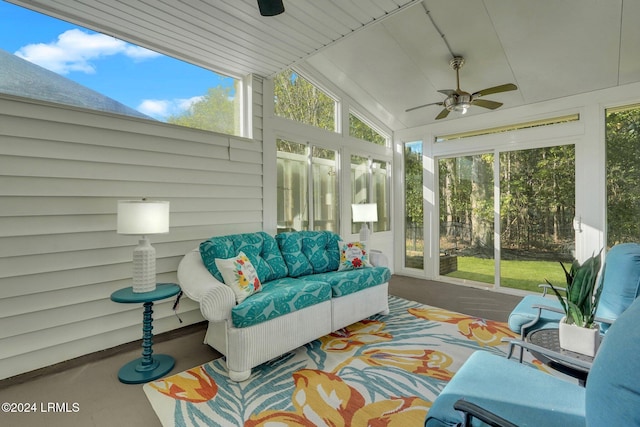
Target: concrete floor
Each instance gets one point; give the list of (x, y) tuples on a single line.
[(90, 384)]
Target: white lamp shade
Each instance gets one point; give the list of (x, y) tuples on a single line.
[(365, 212), (143, 217)]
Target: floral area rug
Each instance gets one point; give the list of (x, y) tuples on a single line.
[(382, 371)]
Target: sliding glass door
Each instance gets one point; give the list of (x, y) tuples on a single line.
[(533, 220), (537, 209), (466, 218)]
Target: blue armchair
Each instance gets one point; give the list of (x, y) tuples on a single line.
[(498, 391), (620, 281)]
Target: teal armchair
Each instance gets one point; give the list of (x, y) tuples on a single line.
[(498, 391), (620, 281)]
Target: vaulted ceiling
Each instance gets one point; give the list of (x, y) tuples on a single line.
[(387, 54)]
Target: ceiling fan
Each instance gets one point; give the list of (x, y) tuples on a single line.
[(270, 7), (461, 101)]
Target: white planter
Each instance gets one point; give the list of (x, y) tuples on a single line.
[(577, 339)]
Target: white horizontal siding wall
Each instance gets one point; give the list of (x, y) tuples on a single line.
[(62, 171)]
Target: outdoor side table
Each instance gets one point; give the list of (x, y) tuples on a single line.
[(148, 367), (548, 338)]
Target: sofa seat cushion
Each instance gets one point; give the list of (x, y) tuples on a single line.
[(279, 297), (261, 249), (349, 281), (309, 252)]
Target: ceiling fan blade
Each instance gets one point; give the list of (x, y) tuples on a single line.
[(496, 89), (492, 105), (444, 113), (421, 106), (447, 92)]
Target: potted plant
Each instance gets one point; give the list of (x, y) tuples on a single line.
[(578, 330)]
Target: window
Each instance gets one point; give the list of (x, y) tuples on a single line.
[(293, 186), (51, 60), (623, 174), (413, 206), (370, 182), (298, 99), (380, 193), (360, 178), (300, 206), (359, 129), (326, 211)]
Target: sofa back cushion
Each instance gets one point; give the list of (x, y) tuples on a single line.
[(309, 252), (261, 249)]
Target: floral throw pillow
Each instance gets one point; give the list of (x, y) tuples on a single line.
[(353, 255), (240, 275)]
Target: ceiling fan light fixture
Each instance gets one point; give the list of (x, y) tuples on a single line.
[(270, 7), (462, 107), (459, 103)]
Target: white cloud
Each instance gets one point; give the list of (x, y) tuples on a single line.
[(141, 53), (161, 109), (185, 104), (155, 108), (75, 49)]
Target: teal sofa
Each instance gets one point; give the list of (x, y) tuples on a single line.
[(303, 297)]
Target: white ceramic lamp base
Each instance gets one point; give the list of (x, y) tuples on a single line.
[(364, 232), (144, 267)]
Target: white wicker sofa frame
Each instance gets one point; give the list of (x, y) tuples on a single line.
[(247, 347)]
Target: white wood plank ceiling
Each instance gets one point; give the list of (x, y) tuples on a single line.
[(224, 35), (386, 54)]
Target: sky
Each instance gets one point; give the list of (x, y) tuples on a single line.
[(149, 82)]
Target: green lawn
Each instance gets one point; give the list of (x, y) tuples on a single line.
[(525, 275)]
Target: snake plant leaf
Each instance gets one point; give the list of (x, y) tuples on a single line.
[(575, 315), (560, 297), (583, 293)]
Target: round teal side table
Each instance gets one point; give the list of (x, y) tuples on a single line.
[(148, 367)]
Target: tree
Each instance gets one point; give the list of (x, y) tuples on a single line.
[(214, 112), (623, 175), (361, 130), (537, 197), (481, 203), (297, 99), (413, 186)]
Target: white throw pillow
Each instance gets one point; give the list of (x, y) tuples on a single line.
[(240, 275), (353, 255)]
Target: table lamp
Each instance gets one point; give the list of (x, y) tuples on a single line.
[(364, 213), (142, 218)]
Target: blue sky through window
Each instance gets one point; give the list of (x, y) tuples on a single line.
[(154, 84)]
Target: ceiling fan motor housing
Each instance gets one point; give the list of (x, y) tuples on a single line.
[(458, 102)]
